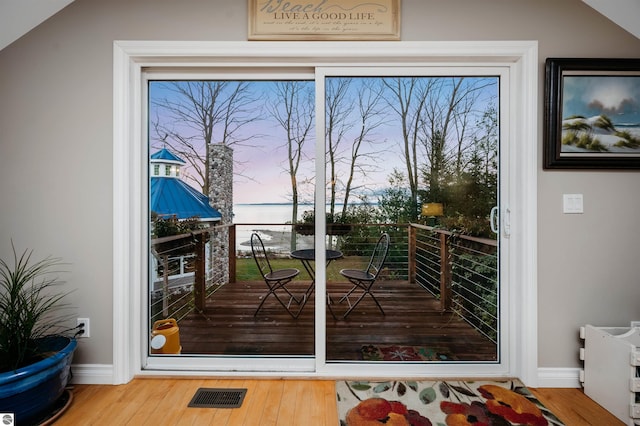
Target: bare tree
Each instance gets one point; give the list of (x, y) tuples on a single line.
[(407, 98), (449, 128), (338, 107), (485, 149), (194, 114), (439, 116), (344, 115), (294, 110), (435, 115)]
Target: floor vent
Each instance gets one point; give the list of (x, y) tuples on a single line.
[(218, 398)]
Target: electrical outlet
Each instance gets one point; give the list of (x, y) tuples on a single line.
[(85, 330)]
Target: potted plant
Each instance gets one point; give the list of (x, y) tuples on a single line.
[(35, 349), (335, 225), (169, 226), (307, 226)]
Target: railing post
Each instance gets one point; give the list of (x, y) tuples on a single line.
[(165, 286), (232, 253), (445, 274), (199, 285), (412, 253)]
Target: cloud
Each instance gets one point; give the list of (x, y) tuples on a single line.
[(615, 96)]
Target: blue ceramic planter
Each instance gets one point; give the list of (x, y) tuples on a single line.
[(31, 391)]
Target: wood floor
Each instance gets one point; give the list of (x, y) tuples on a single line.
[(228, 326), (412, 317), (287, 402)]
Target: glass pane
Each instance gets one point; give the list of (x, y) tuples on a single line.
[(239, 161), (414, 159)]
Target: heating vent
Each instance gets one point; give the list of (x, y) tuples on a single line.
[(218, 398)]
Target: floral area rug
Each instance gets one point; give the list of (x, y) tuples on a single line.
[(404, 353), (440, 403)]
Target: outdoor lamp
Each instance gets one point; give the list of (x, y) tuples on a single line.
[(431, 211)]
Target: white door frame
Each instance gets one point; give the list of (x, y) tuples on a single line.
[(131, 227)]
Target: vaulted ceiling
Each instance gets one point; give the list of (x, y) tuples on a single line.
[(625, 13), (18, 17)]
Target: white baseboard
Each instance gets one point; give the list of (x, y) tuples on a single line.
[(91, 374), (102, 374), (559, 378)]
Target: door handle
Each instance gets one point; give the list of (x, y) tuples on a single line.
[(493, 220)]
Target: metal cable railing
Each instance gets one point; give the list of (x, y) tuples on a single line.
[(428, 259), (474, 282), (460, 271), (175, 261)]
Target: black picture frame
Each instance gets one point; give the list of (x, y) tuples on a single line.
[(580, 96)]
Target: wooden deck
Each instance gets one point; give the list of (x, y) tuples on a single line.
[(228, 326)]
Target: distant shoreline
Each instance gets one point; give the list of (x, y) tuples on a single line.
[(299, 204), (271, 204), (278, 239)]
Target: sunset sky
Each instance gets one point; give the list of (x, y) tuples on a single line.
[(261, 169)]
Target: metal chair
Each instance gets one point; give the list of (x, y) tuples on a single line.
[(364, 279), (276, 280)]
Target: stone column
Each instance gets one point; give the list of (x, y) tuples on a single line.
[(221, 199)]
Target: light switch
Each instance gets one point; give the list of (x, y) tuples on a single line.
[(572, 203)]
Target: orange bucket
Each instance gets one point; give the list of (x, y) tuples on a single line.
[(165, 337)]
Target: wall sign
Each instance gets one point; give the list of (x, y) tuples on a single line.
[(324, 20)]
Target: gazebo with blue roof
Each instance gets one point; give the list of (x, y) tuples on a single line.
[(170, 196)]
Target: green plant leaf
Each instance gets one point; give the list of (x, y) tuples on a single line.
[(413, 385), (402, 389), (30, 307), (360, 386), (382, 387), (427, 396)]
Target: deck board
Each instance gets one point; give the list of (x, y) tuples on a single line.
[(413, 317)]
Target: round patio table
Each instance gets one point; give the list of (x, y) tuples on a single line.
[(306, 256)]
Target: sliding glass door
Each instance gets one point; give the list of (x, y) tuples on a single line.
[(364, 194), (412, 156)]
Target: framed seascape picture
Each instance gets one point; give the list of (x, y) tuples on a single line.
[(592, 114)]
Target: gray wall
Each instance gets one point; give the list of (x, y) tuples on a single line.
[(56, 137)]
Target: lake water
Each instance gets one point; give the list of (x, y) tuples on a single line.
[(266, 213), (268, 220)]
